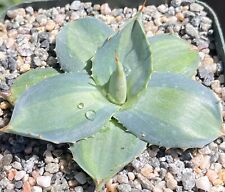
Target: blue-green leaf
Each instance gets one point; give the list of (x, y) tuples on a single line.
[(173, 54), (78, 41), (29, 79), (106, 152), (134, 54), (60, 109), (174, 112)]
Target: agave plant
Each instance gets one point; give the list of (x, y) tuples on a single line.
[(120, 91)]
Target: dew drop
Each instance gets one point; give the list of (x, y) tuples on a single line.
[(127, 70), (143, 135), (90, 115), (80, 106)]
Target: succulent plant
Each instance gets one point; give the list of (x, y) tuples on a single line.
[(120, 91)]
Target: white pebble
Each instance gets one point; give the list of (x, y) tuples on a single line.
[(79, 189), (203, 183), (36, 189), (75, 5), (19, 175), (105, 9), (163, 8), (44, 181), (196, 7)]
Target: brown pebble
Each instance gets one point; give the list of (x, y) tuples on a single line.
[(50, 25), (119, 18), (208, 60), (180, 16), (111, 187), (147, 171), (3, 31), (11, 174), (24, 68), (218, 182), (26, 187), (212, 175), (72, 183), (164, 19), (171, 183), (32, 181), (4, 105), (197, 170), (222, 175)]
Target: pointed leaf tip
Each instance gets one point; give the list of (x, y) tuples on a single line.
[(117, 91), (143, 6), (111, 147), (133, 49)]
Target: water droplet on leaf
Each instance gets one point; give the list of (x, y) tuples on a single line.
[(90, 115), (143, 135), (127, 70), (80, 106)]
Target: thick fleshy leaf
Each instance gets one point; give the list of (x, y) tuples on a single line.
[(60, 109), (78, 41), (106, 152), (117, 88), (174, 112), (133, 52), (29, 79), (173, 54)]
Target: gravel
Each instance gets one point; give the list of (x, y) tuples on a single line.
[(28, 41)]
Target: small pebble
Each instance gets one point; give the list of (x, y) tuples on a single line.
[(131, 176), (124, 188), (75, 5), (19, 175), (191, 30), (78, 189), (105, 9), (121, 178), (26, 187), (212, 175), (196, 7), (44, 181), (203, 183), (36, 189), (52, 168), (50, 25), (147, 171), (81, 178), (163, 8), (171, 183)]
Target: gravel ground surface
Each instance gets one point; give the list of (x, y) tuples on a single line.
[(27, 40)]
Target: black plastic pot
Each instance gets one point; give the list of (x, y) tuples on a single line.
[(219, 37)]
